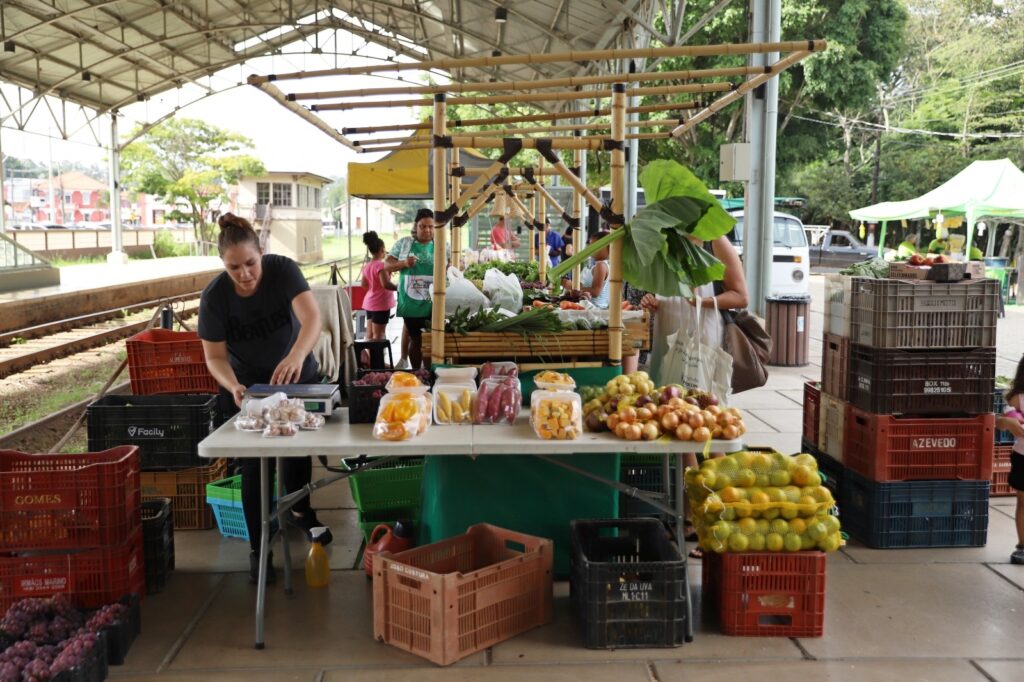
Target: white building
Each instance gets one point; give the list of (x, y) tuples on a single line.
[(285, 208), (372, 214)]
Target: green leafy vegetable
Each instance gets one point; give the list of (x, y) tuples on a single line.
[(535, 321), (664, 178), (875, 268), (526, 272)]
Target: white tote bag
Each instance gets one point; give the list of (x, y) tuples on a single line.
[(691, 361)]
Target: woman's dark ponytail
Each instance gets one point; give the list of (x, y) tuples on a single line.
[(234, 231)]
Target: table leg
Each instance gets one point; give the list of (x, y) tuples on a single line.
[(681, 541), (666, 478), (281, 528), (261, 586)]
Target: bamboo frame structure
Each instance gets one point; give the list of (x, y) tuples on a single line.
[(563, 96), (484, 188), (577, 212), (456, 231), (542, 230), (533, 241)]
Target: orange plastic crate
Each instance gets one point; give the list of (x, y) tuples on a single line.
[(812, 403), (1001, 472), (766, 594), (187, 490), (68, 501), (885, 448), (92, 578), (162, 361), (456, 597)]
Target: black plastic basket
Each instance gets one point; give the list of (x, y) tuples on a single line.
[(915, 513), (645, 473), (363, 401), (891, 381), (122, 634), (94, 668), (157, 542), (166, 428), (831, 472), (628, 584)]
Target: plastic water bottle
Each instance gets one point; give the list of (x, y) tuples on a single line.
[(318, 568)]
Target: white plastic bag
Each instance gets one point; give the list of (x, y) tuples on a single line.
[(503, 290), (461, 293), (691, 361)]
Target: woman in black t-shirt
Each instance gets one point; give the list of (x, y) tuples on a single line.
[(258, 322)]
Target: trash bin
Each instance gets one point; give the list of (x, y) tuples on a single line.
[(787, 319)]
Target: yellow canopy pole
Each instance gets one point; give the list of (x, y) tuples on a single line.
[(649, 53), (519, 86), (440, 242), (577, 212), (618, 168), (456, 231), (561, 96), (542, 231), (771, 72)]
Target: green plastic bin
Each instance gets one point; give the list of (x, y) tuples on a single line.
[(392, 486)]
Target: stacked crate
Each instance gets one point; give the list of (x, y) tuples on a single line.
[(172, 409), (1003, 449), (906, 408), (70, 524)]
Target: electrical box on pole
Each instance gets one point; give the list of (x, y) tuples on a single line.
[(734, 162)]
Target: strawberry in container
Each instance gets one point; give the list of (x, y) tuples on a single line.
[(498, 400)]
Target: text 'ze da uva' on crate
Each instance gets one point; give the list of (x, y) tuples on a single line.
[(72, 501), (450, 599)]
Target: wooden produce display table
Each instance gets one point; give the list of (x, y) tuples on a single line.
[(339, 438)]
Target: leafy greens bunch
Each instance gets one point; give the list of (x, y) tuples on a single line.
[(657, 254)]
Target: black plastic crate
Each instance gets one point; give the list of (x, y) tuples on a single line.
[(363, 401), (645, 473), (892, 381), (94, 667), (157, 542), (998, 405), (915, 514), (628, 584), (831, 472), (166, 428), (121, 635)]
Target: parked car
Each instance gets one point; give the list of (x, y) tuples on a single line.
[(840, 249), (790, 261)]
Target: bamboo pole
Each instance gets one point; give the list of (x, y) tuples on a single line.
[(547, 196), (440, 264), (589, 143), (530, 230), (521, 85), (618, 169), (773, 71), (456, 231), (527, 213), (649, 53), (481, 181), (544, 130), (560, 96), (578, 185), (302, 112), (526, 118), (542, 231), (479, 202), (577, 212)]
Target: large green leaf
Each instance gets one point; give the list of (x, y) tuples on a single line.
[(695, 264), (555, 274), (665, 178), (658, 277)]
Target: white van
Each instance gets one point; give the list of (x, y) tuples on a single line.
[(790, 254)]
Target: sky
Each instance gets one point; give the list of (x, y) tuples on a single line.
[(281, 139)]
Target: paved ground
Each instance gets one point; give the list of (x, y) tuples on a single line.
[(942, 615)]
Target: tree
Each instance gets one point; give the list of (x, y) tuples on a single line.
[(188, 161)]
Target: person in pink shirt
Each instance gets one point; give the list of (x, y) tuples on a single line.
[(380, 290), (502, 237)]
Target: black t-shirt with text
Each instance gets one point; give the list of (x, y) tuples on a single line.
[(259, 329)]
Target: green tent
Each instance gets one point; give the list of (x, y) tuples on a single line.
[(985, 188)]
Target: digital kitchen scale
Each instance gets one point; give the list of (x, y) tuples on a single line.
[(316, 398)]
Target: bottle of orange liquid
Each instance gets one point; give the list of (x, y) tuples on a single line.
[(318, 568)]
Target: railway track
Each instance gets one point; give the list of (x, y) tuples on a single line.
[(11, 439)]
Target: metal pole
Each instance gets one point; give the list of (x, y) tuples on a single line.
[(3, 194), (49, 178), (117, 254), (771, 120), (753, 222), (349, 238), (633, 155)]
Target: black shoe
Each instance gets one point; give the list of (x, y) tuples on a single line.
[(307, 522), (1018, 555), (254, 568)]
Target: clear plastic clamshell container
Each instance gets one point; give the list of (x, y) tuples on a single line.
[(556, 415), (453, 404)]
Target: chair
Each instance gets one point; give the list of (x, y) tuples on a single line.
[(376, 348)]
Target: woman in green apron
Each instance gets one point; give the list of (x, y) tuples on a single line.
[(413, 258)]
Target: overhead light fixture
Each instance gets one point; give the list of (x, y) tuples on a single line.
[(500, 15), (8, 46)]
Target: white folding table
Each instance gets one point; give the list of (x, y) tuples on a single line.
[(339, 438)]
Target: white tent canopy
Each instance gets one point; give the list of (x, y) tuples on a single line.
[(984, 188)]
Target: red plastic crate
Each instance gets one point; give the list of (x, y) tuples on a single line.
[(68, 501), (1001, 472), (356, 293), (812, 403), (766, 594), (162, 361), (835, 366), (92, 578), (886, 448)]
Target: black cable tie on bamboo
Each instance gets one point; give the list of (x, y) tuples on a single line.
[(767, 68), (544, 147), (315, 108), (810, 45), (618, 87), (271, 78), (290, 97), (575, 171), (460, 220), (499, 179), (597, 111), (612, 145), (458, 172), (613, 219), (443, 141), (508, 190), (457, 123), (574, 223), (577, 133), (529, 176), (442, 218), (511, 147), (344, 131)]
